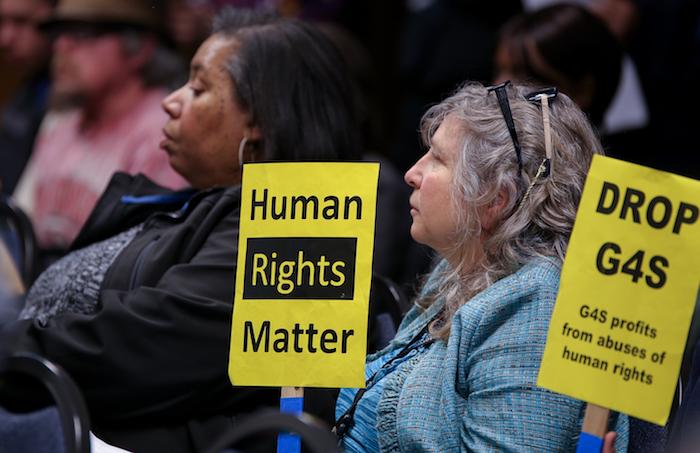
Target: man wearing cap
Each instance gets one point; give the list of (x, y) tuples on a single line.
[(105, 53)]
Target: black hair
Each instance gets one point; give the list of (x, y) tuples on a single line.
[(573, 44), (293, 82)]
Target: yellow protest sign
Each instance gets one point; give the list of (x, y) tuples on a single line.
[(304, 271), (627, 291)]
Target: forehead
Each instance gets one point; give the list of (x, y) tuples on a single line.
[(23, 8), (106, 47), (449, 136), (213, 54)]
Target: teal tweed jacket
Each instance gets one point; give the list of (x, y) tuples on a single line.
[(477, 392)]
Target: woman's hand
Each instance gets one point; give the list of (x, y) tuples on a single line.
[(609, 442)]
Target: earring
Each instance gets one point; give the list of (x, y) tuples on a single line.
[(241, 148)]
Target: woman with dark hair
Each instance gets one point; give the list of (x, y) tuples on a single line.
[(566, 46), (267, 68), (139, 313), (497, 203)]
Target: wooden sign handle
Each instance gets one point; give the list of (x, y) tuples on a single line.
[(292, 392), (291, 402), (595, 425)]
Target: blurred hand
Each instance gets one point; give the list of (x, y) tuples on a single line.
[(609, 442)]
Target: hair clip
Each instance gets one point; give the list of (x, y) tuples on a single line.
[(542, 97), (536, 96)]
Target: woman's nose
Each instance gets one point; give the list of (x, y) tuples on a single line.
[(62, 42), (412, 176), (8, 34), (171, 104)]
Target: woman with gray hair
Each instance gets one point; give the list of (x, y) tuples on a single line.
[(496, 196)]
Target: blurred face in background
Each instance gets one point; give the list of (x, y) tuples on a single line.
[(89, 63), (506, 68), (189, 23), (22, 44)]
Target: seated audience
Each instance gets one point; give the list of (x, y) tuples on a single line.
[(23, 47), (108, 71), (566, 46), (139, 313), (498, 207)]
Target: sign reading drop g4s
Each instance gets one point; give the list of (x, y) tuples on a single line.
[(303, 276), (628, 289)]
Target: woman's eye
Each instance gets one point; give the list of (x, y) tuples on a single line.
[(196, 89)]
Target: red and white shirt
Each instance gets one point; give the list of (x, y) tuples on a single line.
[(70, 168)]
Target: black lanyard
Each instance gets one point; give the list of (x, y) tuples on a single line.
[(346, 421)]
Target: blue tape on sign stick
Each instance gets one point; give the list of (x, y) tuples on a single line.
[(292, 405), (588, 443), (290, 443)]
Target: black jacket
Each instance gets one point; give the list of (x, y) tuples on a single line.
[(152, 361)]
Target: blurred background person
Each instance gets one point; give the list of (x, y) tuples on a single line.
[(442, 44), (662, 42), (663, 39), (109, 70), (24, 49), (566, 46), (189, 23)]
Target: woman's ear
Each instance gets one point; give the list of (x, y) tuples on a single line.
[(253, 133), (491, 214), (253, 145)]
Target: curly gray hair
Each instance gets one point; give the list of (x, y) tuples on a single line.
[(536, 225)]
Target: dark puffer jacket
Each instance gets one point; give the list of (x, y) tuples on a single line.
[(152, 361)]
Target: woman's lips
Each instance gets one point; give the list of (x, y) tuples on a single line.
[(165, 143)]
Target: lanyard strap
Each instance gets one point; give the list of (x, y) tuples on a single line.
[(345, 421)]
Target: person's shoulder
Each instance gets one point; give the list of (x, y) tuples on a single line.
[(218, 202), (537, 275), (540, 272), (58, 121), (526, 292), (516, 307)]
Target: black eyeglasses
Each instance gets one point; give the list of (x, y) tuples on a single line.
[(502, 96), (84, 31)]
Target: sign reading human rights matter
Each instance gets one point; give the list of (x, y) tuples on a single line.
[(304, 272), (628, 289)]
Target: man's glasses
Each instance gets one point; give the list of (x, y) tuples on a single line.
[(79, 31)]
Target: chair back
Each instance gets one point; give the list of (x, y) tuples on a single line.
[(75, 422), (17, 233), (316, 437), (387, 306)]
